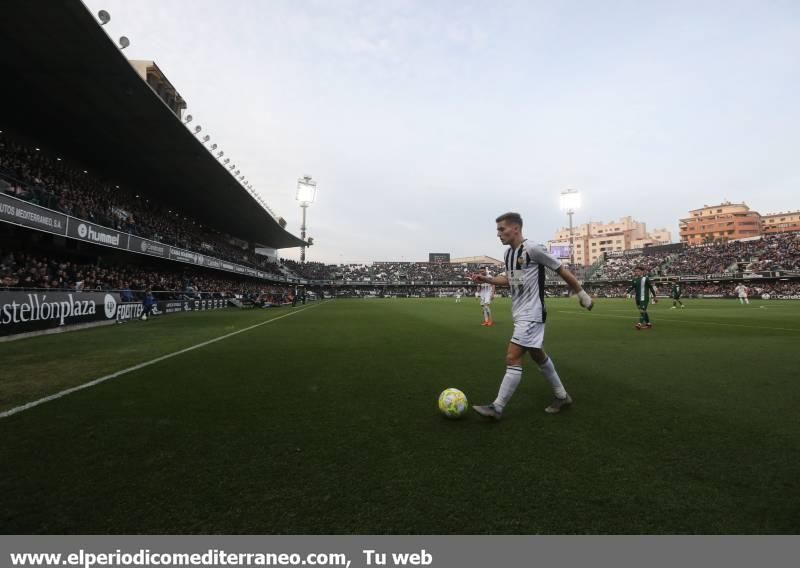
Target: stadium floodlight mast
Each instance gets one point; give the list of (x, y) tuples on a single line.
[(306, 194), (570, 202)]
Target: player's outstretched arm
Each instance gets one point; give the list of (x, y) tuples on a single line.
[(500, 280), (583, 298)]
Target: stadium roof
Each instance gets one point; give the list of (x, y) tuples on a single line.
[(476, 260), (68, 86)]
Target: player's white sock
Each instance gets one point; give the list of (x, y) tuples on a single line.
[(747, 301), (488, 313), (510, 383), (549, 372), (485, 313)]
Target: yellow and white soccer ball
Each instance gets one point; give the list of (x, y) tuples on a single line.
[(453, 403)]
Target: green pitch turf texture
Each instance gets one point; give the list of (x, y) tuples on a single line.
[(326, 422)]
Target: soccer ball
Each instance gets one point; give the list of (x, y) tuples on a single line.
[(453, 403), (144, 317)]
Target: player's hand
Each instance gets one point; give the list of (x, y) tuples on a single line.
[(585, 300)]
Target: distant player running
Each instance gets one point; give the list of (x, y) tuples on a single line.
[(486, 291), (642, 287), (459, 293), (677, 291), (741, 290), (525, 273)]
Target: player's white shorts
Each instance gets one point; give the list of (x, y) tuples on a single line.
[(485, 301), (528, 334), (743, 296)]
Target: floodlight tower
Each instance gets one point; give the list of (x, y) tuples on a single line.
[(570, 202), (306, 194)]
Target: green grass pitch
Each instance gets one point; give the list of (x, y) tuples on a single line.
[(325, 422)]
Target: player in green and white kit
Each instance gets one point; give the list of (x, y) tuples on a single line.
[(642, 287), (676, 295)]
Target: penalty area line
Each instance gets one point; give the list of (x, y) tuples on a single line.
[(29, 405)]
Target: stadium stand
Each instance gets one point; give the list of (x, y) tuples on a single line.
[(23, 271), (103, 188), (30, 174), (769, 253)]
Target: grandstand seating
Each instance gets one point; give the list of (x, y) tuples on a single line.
[(31, 174), (772, 252), (20, 270)]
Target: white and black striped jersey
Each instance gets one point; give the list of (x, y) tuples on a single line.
[(485, 290), (525, 270)]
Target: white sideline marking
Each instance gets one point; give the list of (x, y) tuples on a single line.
[(632, 317), (71, 390)]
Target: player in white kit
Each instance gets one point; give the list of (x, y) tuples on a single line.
[(459, 293), (486, 294), (741, 290), (525, 273)]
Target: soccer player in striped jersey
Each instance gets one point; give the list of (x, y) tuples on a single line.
[(486, 291), (642, 287), (525, 273)]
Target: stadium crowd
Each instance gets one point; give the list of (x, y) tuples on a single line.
[(25, 271), (30, 174), (622, 267), (772, 252), (390, 272)]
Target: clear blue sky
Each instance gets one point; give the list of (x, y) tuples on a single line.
[(424, 120)]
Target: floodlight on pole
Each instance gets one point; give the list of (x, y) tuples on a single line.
[(124, 42), (187, 119), (570, 202), (104, 17), (206, 138), (306, 194), (197, 129), (226, 160), (212, 147)]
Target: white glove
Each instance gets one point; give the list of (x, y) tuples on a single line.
[(585, 300)]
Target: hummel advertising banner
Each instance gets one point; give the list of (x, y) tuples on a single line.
[(19, 212), (97, 234)]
